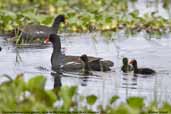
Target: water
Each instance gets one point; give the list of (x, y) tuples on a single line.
[(149, 6), (154, 53)]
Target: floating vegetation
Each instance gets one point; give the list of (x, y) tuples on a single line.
[(32, 96), (85, 15)]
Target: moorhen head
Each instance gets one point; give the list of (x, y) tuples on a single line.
[(58, 19), (144, 71), (126, 67), (84, 58)]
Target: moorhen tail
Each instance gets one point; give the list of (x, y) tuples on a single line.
[(101, 65), (145, 71)]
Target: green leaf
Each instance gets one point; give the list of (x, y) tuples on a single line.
[(113, 99), (91, 99), (166, 107), (153, 106), (108, 19), (122, 109), (50, 98), (134, 14), (47, 20), (135, 102), (72, 91), (133, 1), (37, 82), (66, 94), (20, 85)]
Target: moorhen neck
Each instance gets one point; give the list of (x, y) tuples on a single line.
[(56, 54), (126, 67), (39, 31), (145, 71), (57, 57), (57, 21)]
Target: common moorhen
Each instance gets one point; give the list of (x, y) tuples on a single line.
[(126, 67), (74, 63), (39, 31), (56, 59), (145, 71)]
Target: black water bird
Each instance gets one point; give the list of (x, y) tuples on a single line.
[(75, 63), (126, 67), (144, 71), (38, 31)]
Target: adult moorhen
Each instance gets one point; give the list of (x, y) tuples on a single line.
[(56, 59), (126, 67), (39, 31), (145, 71)]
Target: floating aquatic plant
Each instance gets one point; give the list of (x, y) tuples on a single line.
[(17, 95), (84, 16)]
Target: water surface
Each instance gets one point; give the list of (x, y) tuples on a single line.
[(154, 53)]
